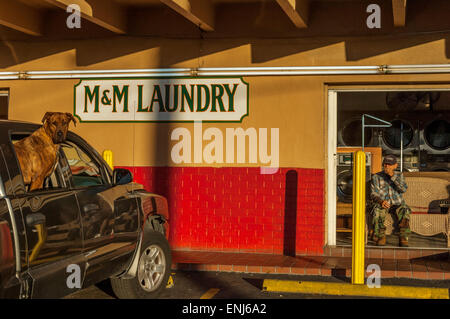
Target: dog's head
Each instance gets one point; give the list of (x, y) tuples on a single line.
[(56, 125)]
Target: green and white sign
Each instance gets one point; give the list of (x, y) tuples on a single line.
[(162, 100)]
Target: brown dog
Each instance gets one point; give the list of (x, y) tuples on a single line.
[(38, 153)]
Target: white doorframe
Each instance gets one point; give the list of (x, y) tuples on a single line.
[(331, 176)]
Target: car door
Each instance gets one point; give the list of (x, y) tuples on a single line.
[(12, 232), (105, 208), (52, 222)]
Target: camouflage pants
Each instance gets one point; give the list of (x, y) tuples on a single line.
[(401, 213)]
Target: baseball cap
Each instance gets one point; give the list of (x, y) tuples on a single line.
[(390, 160)]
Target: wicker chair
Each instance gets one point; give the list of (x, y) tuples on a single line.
[(428, 198)]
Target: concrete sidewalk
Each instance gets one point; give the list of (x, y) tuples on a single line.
[(435, 266)]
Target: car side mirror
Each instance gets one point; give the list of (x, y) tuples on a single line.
[(35, 219), (122, 176)]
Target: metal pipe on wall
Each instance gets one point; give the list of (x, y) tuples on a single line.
[(232, 71), (97, 76)]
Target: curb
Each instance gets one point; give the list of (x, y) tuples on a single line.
[(345, 289)]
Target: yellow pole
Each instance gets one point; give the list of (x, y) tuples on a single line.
[(108, 157), (359, 220)]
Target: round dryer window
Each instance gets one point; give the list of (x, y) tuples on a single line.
[(352, 134), (437, 134), (345, 185), (392, 135)]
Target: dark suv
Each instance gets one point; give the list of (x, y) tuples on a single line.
[(87, 224)]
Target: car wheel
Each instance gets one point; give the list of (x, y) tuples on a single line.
[(152, 273)]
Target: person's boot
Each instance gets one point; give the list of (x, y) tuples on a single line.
[(404, 226), (404, 242), (381, 241)]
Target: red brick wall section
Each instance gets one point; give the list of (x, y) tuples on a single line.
[(239, 209)]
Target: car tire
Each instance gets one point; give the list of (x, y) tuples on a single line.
[(152, 275)]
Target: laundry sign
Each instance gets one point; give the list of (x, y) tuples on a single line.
[(162, 100)]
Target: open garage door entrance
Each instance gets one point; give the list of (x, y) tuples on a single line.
[(420, 139)]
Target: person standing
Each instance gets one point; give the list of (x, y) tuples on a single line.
[(386, 191)]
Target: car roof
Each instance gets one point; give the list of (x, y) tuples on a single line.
[(15, 121), (17, 125)]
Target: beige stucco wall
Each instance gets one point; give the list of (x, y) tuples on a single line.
[(294, 104)]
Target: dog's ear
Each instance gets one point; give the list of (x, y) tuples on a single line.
[(46, 116), (72, 118)]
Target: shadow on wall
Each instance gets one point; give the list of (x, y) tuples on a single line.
[(358, 49), (93, 44), (264, 50), (162, 171), (93, 51), (290, 213), (262, 25), (447, 47)]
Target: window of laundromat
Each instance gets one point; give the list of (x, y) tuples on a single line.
[(4, 101)]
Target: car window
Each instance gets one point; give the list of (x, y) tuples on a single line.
[(85, 170), (56, 180)]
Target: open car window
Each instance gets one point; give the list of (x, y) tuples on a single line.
[(85, 170), (57, 179)]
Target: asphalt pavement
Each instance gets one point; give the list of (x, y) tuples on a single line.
[(224, 285)]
